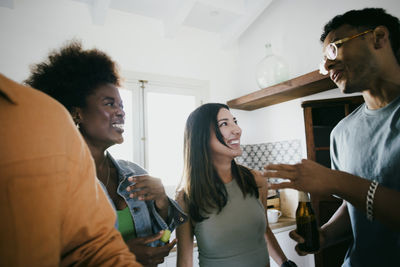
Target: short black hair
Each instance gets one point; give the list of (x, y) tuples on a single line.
[(368, 18), (72, 73)]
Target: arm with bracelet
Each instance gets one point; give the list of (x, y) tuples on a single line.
[(363, 194), (360, 57)]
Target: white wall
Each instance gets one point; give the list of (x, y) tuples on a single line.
[(293, 28), (30, 30)]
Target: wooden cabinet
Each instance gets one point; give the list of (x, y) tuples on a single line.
[(320, 117)]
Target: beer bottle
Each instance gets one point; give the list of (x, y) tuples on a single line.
[(307, 224)]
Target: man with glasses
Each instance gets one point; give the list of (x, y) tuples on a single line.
[(361, 54)]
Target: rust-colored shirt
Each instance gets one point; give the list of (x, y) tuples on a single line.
[(53, 211)]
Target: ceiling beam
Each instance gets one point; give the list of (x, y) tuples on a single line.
[(7, 3), (99, 10), (176, 17), (255, 8)]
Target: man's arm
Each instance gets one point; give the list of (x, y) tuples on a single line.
[(312, 177), (338, 228)]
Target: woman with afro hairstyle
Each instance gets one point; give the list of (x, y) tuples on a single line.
[(86, 82)]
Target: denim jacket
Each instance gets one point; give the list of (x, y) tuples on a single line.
[(145, 216)]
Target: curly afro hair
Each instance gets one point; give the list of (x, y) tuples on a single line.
[(71, 74)]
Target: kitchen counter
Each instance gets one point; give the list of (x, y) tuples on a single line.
[(284, 223)]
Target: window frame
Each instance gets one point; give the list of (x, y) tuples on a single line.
[(200, 89)]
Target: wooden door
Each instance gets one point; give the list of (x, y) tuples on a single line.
[(320, 117)]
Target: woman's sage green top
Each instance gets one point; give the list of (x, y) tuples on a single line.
[(235, 236)]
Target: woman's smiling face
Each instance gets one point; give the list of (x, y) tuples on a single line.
[(230, 133), (102, 120)]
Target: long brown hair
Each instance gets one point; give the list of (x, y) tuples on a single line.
[(203, 189)]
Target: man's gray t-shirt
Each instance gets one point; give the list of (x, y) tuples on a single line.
[(367, 144)]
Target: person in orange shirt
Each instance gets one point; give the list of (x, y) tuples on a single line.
[(53, 209)]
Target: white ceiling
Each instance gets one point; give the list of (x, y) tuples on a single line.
[(228, 18)]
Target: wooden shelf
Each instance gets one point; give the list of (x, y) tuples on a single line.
[(308, 84)]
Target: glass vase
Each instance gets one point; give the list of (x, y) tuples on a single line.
[(271, 70)]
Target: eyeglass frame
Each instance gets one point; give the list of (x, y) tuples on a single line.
[(334, 44)]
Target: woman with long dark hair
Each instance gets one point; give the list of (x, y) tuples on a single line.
[(221, 197)]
